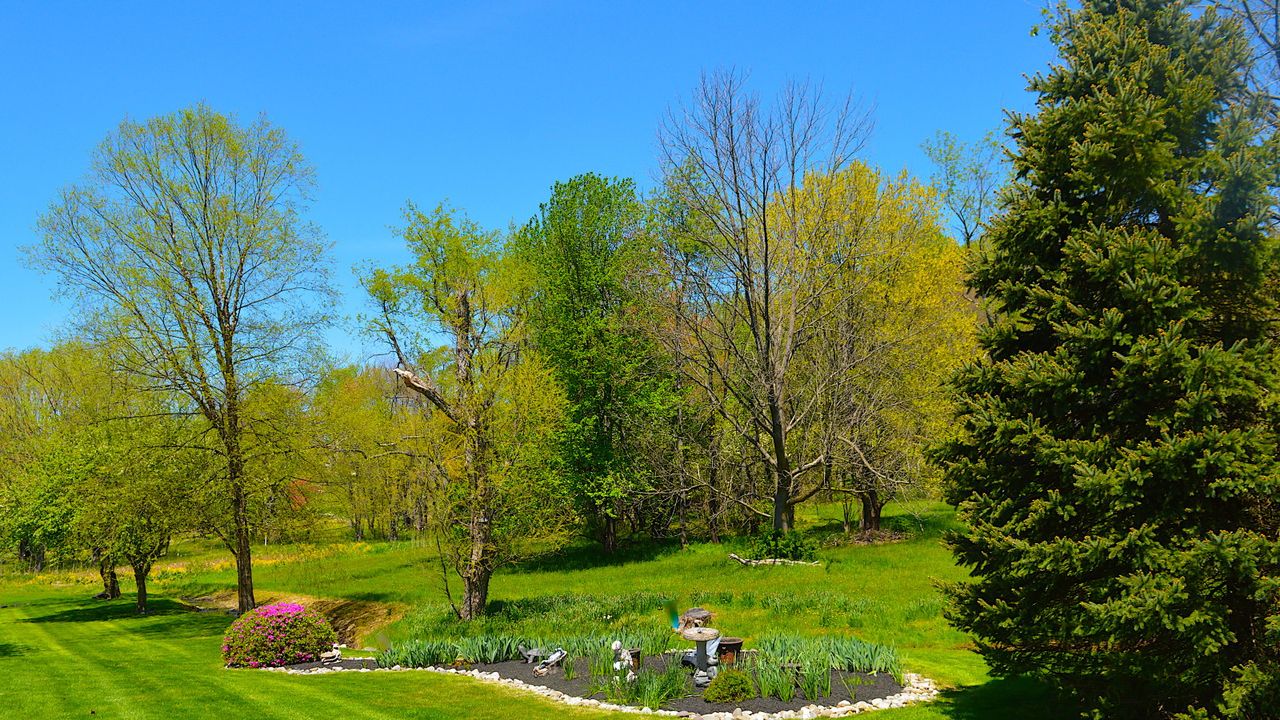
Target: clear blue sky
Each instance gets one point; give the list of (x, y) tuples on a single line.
[(485, 104)]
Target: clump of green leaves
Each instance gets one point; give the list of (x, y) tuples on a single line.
[(730, 686), (783, 546), (772, 679), (815, 673), (653, 688)]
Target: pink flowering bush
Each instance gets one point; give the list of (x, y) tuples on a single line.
[(275, 635)]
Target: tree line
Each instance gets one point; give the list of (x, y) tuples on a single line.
[(773, 324), (1085, 366)]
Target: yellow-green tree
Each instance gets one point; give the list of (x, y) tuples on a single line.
[(495, 407), (899, 326), (187, 253)]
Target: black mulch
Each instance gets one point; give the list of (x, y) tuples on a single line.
[(343, 664), (865, 687)]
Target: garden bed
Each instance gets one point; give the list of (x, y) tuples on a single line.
[(849, 687), (342, 664)]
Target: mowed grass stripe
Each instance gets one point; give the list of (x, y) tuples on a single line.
[(38, 680), (85, 658)]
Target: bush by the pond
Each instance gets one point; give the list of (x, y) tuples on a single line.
[(276, 635), (730, 686), (783, 545)]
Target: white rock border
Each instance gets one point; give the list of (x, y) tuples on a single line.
[(917, 689)]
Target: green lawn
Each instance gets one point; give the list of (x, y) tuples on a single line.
[(62, 655)]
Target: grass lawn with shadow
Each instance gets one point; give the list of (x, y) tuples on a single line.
[(63, 654)]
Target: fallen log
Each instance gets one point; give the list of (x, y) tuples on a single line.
[(769, 561)]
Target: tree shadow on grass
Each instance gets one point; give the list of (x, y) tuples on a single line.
[(108, 610), (8, 650), (1007, 699), (165, 618), (586, 556)]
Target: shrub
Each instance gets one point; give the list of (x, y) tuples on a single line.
[(730, 686), (783, 546), (275, 635)]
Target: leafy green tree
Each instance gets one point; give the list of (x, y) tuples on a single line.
[(496, 411), (188, 254), (586, 260), (135, 494), (1117, 461), (45, 397), (968, 177), (370, 454), (107, 473)]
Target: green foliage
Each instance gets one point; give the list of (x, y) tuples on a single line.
[(1117, 457), (585, 262), (772, 678), (730, 686), (653, 688), (420, 653), (815, 677), (500, 647), (968, 178), (783, 545)]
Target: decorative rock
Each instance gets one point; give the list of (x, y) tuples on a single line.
[(694, 617)]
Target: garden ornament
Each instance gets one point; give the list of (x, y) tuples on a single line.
[(550, 662)]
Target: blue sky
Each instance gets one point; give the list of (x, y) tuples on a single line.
[(485, 104)]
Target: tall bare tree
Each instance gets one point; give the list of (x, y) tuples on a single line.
[(1261, 20), (758, 279), (186, 250)]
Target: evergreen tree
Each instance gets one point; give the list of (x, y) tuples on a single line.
[(1117, 462)]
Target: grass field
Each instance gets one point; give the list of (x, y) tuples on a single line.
[(63, 655)]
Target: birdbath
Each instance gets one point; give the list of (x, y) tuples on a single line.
[(701, 636)]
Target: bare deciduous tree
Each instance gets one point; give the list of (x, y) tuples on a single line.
[(758, 280)]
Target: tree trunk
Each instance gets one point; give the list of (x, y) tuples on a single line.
[(682, 505), (781, 504), (713, 502), (475, 594), (475, 578), (107, 570), (140, 572), (871, 507), (783, 511), (609, 533), (242, 537), (243, 553)]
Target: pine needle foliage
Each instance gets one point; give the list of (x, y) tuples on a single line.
[(1116, 461)]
